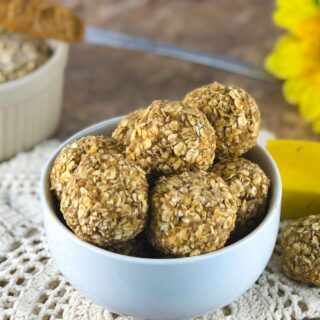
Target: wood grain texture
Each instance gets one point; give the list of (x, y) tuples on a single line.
[(104, 82)]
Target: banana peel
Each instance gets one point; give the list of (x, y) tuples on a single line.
[(299, 165)]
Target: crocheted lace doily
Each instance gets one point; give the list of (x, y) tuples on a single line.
[(32, 288)]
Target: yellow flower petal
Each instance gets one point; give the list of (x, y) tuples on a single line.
[(309, 105), (291, 13), (296, 57), (286, 60), (316, 125), (292, 90), (309, 28), (310, 50), (304, 91)]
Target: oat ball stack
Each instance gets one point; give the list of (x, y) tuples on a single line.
[(232, 112), (156, 176), (191, 213), (168, 137), (250, 185)]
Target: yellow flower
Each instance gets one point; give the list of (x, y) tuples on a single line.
[(300, 17), (296, 57)]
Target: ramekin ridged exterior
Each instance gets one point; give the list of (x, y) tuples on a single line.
[(30, 107)]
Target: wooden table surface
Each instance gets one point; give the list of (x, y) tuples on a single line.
[(105, 82)]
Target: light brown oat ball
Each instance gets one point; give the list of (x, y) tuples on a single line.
[(232, 112), (168, 137), (124, 129), (105, 201), (248, 182), (300, 243), (191, 213), (69, 157)]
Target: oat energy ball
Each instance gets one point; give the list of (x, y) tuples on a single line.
[(168, 137), (124, 129), (232, 112), (105, 201), (69, 157), (191, 213), (300, 243), (249, 183)]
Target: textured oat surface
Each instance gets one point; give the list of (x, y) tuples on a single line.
[(191, 213), (300, 243), (20, 55), (68, 159), (126, 127), (250, 185), (168, 137), (105, 201), (232, 112)]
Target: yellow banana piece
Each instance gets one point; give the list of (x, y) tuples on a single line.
[(299, 165)]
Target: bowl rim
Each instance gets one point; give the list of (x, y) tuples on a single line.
[(274, 207), (59, 49)]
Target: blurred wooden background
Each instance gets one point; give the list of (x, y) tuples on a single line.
[(104, 82)]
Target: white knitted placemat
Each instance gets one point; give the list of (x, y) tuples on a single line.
[(32, 288)]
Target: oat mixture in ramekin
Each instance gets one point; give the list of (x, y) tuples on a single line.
[(20, 55)]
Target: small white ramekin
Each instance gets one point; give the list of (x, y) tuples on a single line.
[(30, 107)]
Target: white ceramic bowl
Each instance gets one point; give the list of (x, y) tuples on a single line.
[(30, 106), (162, 288)]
